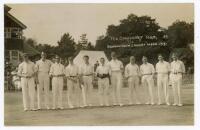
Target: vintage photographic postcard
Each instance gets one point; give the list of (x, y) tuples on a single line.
[(98, 64)]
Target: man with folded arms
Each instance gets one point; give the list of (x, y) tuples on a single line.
[(147, 72), (27, 73), (57, 73), (87, 75), (102, 73), (132, 75), (176, 75), (43, 68), (71, 73), (162, 70)]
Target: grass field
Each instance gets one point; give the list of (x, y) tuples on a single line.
[(126, 115)]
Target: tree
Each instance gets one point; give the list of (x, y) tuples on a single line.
[(30, 41), (133, 25), (90, 46), (180, 34), (50, 50), (66, 46)]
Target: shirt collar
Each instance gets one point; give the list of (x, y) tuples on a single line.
[(86, 64), (27, 62), (44, 60), (146, 63), (115, 60), (132, 64), (71, 65), (102, 65)]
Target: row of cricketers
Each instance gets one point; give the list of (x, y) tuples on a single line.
[(80, 81)]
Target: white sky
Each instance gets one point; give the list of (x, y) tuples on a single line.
[(47, 22)]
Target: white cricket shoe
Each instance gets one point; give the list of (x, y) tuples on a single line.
[(120, 104), (33, 109), (174, 104), (114, 104), (130, 103), (147, 103), (180, 104), (159, 103), (25, 109), (101, 105), (71, 106), (138, 103), (61, 108), (107, 105)]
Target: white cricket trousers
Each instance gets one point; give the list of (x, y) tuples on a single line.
[(133, 84), (116, 82), (176, 80), (44, 83), (28, 92), (73, 92), (57, 89), (103, 90), (87, 90), (162, 83), (148, 82)]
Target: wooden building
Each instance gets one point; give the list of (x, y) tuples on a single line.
[(13, 39)]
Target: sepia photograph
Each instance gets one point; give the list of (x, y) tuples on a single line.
[(99, 64)]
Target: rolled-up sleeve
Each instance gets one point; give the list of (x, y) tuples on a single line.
[(152, 69), (126, 71), (51, 70), (19, 73), (80, 70), (141, 70), (36, 66), (182, 67), (121, 65), (168, 67), (66, 72)]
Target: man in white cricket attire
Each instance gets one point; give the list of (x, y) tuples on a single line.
[(43, 67), (87, 74), (162, 70), (132, 75), (57, 71), (116, 67), (27, 73), (73, 89), (103, 72), (176, 75), (147, 72)]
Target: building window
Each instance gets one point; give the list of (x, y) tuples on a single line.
[(14, 55), (7, 33), (15, 33)]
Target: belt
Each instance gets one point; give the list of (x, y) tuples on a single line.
[(116, 71), (88, 75), (43, 72), (147, 74), (72, 76), (58, 76), (27, 77), (176, 73), (103, 77), (130, 76), (162, 73)]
